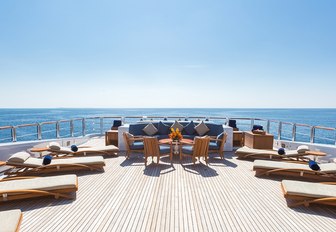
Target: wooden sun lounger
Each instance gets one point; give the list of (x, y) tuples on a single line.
[(57, 150), (10, 220), (24, 164), (250, 153), (306, 193), (298, 170), (30, 187)]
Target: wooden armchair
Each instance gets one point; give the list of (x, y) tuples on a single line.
[(133, 144), (152, 148), (200, 148), (217, 145)]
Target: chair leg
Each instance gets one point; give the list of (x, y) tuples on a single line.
[(158, 159)]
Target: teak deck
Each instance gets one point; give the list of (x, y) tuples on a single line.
[(225, 196)]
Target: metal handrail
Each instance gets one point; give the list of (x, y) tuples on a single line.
[(99, 126)]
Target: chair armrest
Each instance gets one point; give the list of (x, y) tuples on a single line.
[(136, 139), (215, 139)]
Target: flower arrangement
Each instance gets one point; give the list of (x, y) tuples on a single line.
[(175, 134)]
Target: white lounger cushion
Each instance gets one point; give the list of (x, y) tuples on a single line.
[(67, 150), (308, 189), (268, 164), (247, 150), (37, 162), (19, 157), (41, 183), (9, 220)]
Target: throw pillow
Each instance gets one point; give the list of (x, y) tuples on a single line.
[(281, 151), (74, 148), (47, 159), (163, 128), (177, 125), (190, 128), (313, 165), (201, 129), (150, 129), (302, 149)]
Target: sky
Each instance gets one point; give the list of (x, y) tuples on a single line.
[(176, 53)]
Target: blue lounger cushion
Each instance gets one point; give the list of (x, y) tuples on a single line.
[(47, 159), (313, 165)]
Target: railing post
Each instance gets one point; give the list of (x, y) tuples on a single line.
[(252, 123), (39, 131), (71, 128), (294, 132), (13, 134), (268, 126), (279, 130), (312, 134), (101, 125), (57, 129), (83, 127)]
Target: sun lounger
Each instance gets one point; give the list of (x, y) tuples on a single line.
[(10, 220), (300, 170), (250, 153), (56, 149), (29, 187), (24, 164), (306, 193)]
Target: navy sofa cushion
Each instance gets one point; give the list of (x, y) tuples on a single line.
[(163, 129), (137, 146), (187, 150), (215, 129), (190, 129)]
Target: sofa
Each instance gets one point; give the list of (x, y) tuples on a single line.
[(137, 129)]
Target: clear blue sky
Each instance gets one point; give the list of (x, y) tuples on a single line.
[(174, 53)]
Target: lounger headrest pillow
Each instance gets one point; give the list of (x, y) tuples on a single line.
[(74, 148), (302, 148), (19, 157), (55, 146), (47, 159), (313, 165), (281, 151)]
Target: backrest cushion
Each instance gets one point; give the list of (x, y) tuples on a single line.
[(190, 128), (163, 129), (55, 146), (19, 157), (302, 148), (201, 129), (150, 129), (177, 125)]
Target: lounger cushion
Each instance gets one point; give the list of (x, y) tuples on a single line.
[(109, 148), (269, 164), (41, 183), (19, 157), (90, 160), (302, 148), (308, 189), (55, 146), (9, 220), (313, 165), (247, 150), (150, 129), (201, 129)]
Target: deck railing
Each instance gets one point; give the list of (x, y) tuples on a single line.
[(98, 125)]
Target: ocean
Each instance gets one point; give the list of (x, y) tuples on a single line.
[(14, 117)]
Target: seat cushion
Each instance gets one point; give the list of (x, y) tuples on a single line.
[(9, 220), (213, 146), (164, 150), (150, 129), (19, 157), (201, 129), (137, 146), (187, 150), (163, 129), (190, 129)]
